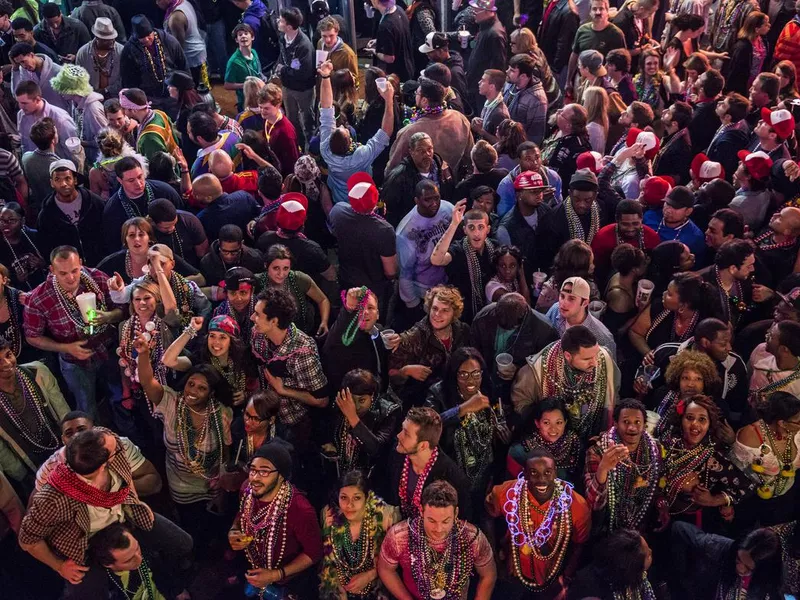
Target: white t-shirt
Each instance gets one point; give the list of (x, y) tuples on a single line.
[(71, 209)]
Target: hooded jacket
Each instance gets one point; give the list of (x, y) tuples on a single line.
[(55, 228), (48, 72), (529, 107), (214, 269)]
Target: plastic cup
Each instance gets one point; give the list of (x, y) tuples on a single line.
[(505, 366), (644, 290), (73, 143), (385, 335), (369, 10), (538, 280), (463, 38), (322, 56), (381, 83), (597, 308), (87, 303)]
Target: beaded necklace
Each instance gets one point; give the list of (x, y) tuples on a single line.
[(674, 336), (473, 445), (576, 231), (475, 273), (235, 377), (104, 66), (12, 332), (566, 449), (348, 447), (681, 464), (648, 92), (440, 575), (175, 242), (44, 438), (757, 395), (730, 301), (413, 507), (644, 591), (267, 527), (129, 331), (766, 241), (162, 63), (290, 284), (199, 462), (69, 305), (17, 264), (639, 240), (775, 485), (146, 577), (525, 541), (419, 113), (631, 484), (666, 409), (349, 335), (130, 207)]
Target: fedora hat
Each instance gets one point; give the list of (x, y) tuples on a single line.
[(103, 29)]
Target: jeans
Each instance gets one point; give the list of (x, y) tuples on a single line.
[(300, 110), (82, 383), (215, 43)]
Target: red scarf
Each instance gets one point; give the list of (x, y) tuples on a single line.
[(66, 481)]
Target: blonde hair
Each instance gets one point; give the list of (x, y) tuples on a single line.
[(525, 40), (595, 99), (110, 142), (447, 294), (148, 286), (252, 86), (270, 93)]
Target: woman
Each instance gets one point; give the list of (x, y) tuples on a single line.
[(132, 261), (595, 100), (687, 29), (574, 259), (623, 577), (666, 261), (651, 81), (280, 274), (702, 484), (622, 473), (11, 321), (256, 140), (353, 528), (19, 250), (509, 275), (629, 264), (249, 431), (223, 351), (422, 20), (510, 135), (197, 436), (767, 452), (243, 63), (371, 117), (551, 432), (672, 318), (102, 177), (250, 116), (181, 89), (787, 73), (748, 54), (345, 98), (307, 179)]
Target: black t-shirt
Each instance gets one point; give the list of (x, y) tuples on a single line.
[(458, 275), (115, 263), (188, 233), (394, 38), (309, 257), (363, 240)]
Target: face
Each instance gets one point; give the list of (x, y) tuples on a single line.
[(764, 29), (284, 27), (196, 391), (666, 119), (691, 383), (599, 11), (167, 264), (117, 120), (261, 322), (55, 22), (485, 203), (715, 234), (585, 359), (773, 340), (648, 555), (530, 160), (507, 267), (671, 299), (67, 272), (741, 178), (563, 116), (278, 270), (571, 306), (8, 363), (784, 80), (515, 43), (428, 204), (173, 92), (630, 425), (240, 299), (63, 183), (540, 473), (582, 201), (757, 97), (329, 37), (244, 39), (477, 232), (552, 425), (745, 565), (694, 424), (136, 240), (722, 108), (132, 182), (422, 155), (407, 442), (21, 35), (484, 87), (438, 522), (144, 303), (720, 347), (441, 315), (651, 65), (674, 216), (629, 226), (230, 252), (128, 559), (263, 477), (269, 110), (72, 428), (29, 105), (252, 422), (5, 22), (148, 40), (747, 268), (531, 198), (371, 314), (352, 501), (219, 343), (762, 130), (10, 223), (512, 74), (26, 61), (468, 378), (686, 260), (785, 312)]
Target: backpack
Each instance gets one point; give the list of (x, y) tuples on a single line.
[(266, 43)]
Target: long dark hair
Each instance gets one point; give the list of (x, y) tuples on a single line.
[(625, 571), (665, 262), (764, 547), (458, 358), (355, 478)]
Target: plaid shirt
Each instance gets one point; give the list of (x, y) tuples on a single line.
[(63, 522), (297, 362), (45, 315)]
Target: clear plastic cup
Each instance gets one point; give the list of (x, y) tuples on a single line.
[(381, 83), (386, 334), (505, 366)]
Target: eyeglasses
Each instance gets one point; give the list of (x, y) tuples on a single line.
[(262, 472), (10, 221), (465, 375), (253, 418), (230, 252)]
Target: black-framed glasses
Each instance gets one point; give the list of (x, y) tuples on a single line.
[(465, 375), (253, 418), (261, 472)]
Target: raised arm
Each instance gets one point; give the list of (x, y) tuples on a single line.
[(440, 256), (152, 388), (387, 124), (172, 356)]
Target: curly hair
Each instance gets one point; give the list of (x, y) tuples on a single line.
[(696, 361), (439, 494), (714, 417), (502, 251), (573, 259), (447, 294), (110, 142)]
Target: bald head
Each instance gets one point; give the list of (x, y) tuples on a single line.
[(220, 164), (787, 222), (511, 310), (207, 188)]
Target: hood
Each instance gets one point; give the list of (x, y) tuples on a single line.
[(256, 9), (47, 68)]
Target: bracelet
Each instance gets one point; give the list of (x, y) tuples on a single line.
[(728, 500), (191, 332), (282, 572), (184, 171), (325, 76)]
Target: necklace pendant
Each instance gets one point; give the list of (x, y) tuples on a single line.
[(526, 550), (438, 593)]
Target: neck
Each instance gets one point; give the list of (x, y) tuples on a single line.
[(479, 247), (277, 336), (599, 25), (14, 237), (685, 316), (525, 209), (8, 383), (726, 278), (768, 144), (68, 199), (274, 118), (786, 361), (577, 319), (270, 496), (682, 35), (223, 359), (444, 332), (245, 50), (291, 35), (420, 459), (522, 83), (616, 77), (676, 224), (632, 447), (138, 260)]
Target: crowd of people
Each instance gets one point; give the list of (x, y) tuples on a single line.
[(512, 312)]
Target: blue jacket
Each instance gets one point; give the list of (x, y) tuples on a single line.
[(238, 208), (725, 145)]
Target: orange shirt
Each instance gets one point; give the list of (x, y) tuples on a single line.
[(537, 570)]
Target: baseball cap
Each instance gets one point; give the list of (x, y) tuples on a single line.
[(655, 190), (680, 197), (362, 193), (578, 287), (780, 120), (648, 138), (433, 41), (590, 160), (529, 180), (236, 276), (583, 180), (792, 298), (62, 163), (291, 215), (758, 163), (706, 170)]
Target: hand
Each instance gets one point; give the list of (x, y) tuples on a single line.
[(181, 159), (641, 387), (157, 265), (79, 350), (516, 19), (663, 515), (726, 433), (116, 283), (72, 571), (761, 293), (458, 213), (325, 69), (477, 124), (649, 358), (791, 169), (276, 383), (70, 58), (504, 433), (102, 317), (238, 540), (371, 43), (261, 578), (196, 323), (671, 58), (393, 341), (295, 64), (418, 372), (351, 300), (246, 150), (612, 457), (702, 497), (477, 403), (346, 404), (239, 398), (141, 345), (23, 298), (387, 94), (359, 582), (322, 329)]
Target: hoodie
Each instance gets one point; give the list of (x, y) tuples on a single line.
[(49, 70), (214, 269), (94, 119), (55, 228)]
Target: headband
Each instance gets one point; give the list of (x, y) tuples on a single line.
[(225, 324), (125, 102)]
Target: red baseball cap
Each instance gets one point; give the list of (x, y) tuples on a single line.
[(648, 138), (362, 192), (780, 120), (590, 160), (706, 170), (291, 215), (758, 164), (529, 180), (655, 190)]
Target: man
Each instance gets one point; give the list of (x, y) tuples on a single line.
[(117, 119), (417, 235), (530, 159), (297, 74), (71, 215), (148, 58), (240, 298), (638, 115), (367, 246), (131, 199), (675, 155), (6, 34), (578, 217), (600, 34), (182, 22), (556, 34), (145, 477), (776, 246), (705, 120), (180, 230), (64, 35), (725, 225), (488, 48), (418, 450), (561, 150), (83, 496), (469, 260), (391, 47), (204, 132), (421, 163), (572, 309), (335, 142), (628, 229), (724, 25), (32, 390), (407, 546), (23, 32), (37, 68), (733, 135), (485, 171), (32, 108), (227, 252), (763, 94), (578, 369), (279, 131), (102, 56), (592, 73), (494, 109), (92, 12), (437, 49), (533, 570), (787, 309), (340, 54), (255, 526), (72, 82), (775, 364), (618, 65), (238, 208), (788, 45), (525, 97), (519, 225), (54, 323), (36, 166), (156, 131), (675, 222), (448, 129), (629, 19), (771, 133)]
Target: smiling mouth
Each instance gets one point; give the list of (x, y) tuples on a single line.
[(541, 488)]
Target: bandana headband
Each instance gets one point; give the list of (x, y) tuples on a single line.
[(125, 102), (224, 324)]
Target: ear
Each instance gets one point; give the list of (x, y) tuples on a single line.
[(689, 212)]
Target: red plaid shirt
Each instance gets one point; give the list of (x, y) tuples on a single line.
[(45, 315)]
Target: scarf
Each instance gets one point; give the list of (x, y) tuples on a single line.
[(474, 268), (67, 481)]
